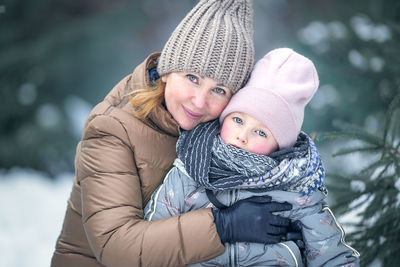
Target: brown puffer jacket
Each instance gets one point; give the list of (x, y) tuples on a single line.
[(119, 163)]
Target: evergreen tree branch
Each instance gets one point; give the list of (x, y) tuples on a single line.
[(396, 126), (379, 177), (346, 200), (348, 134), (392, 106), (397, 148), (346, 151), (368, 171), (397, 163)]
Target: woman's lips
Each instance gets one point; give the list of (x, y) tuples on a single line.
[(192, 115), (236, 146)]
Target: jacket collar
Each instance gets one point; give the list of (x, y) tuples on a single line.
[(159, 118)]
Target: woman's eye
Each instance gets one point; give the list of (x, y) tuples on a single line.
[(237, 120), (192, 78), (261, 133), (220, 91)]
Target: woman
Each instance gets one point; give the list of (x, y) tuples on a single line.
[(128, 145)]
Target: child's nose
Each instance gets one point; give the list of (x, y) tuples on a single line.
[(242, 137)]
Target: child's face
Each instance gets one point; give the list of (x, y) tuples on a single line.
[(245, 132)]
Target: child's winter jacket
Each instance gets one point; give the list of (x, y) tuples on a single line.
[(323, 235)]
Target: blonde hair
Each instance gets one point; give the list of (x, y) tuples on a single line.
[(146, 99)]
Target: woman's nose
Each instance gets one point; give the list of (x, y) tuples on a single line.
[(199, 99)]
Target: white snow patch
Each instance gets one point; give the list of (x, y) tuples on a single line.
[(48, 115), (357, 59), (354, 215), (32, 208), (366, 30)]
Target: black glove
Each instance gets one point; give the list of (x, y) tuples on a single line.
[(295, 234), (251, 220)]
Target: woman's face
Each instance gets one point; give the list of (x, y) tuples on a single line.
[(192, 99)]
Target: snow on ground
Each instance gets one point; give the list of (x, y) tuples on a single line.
[(32, 208)]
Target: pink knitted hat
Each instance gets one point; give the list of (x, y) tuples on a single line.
[(279, 88)]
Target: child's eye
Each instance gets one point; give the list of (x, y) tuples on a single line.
[(192, 78), (220, 91), (237, 120), (261, 133)]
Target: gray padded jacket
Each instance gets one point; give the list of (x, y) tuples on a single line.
[(323, 235)]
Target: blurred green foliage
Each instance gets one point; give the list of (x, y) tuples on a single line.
[(371, 194), (51, 50)]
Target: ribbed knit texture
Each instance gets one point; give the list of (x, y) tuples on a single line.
[(214, 40)]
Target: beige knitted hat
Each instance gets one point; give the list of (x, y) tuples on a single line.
[(214, 40)]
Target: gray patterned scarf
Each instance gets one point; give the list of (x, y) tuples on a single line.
[(219, 166)]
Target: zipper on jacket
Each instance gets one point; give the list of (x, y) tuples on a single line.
[(154, 198), (232, 255), (291, 253), (342, 239)]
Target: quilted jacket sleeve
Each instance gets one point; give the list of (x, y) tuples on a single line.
[(324, 239), (112, 208), (168, 199)]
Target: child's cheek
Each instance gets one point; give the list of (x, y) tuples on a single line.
[(261, 148), (225, 134)]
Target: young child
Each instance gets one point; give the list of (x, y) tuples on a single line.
[(259, 151)]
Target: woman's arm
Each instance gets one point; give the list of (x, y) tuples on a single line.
[(112, 208)]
